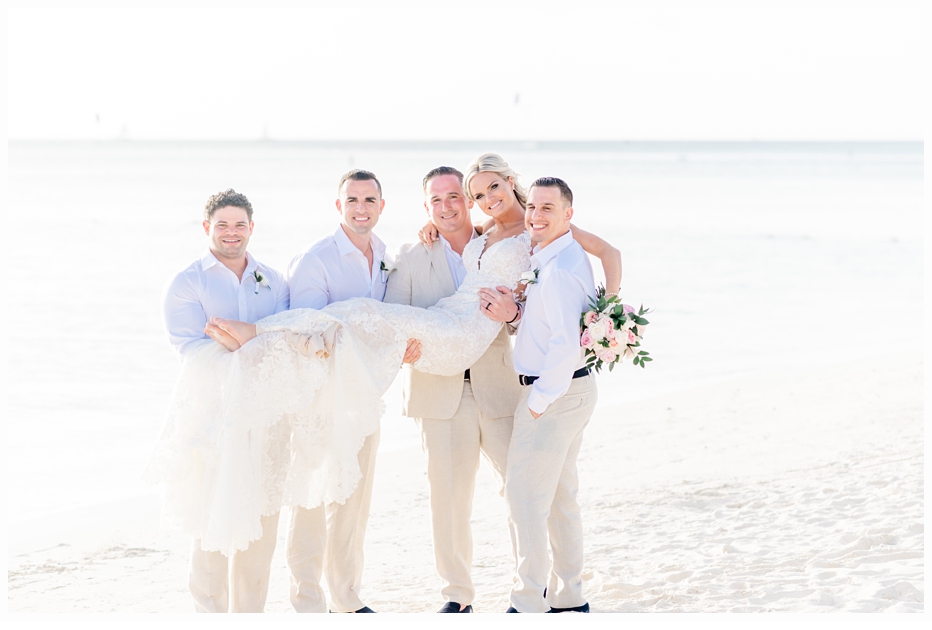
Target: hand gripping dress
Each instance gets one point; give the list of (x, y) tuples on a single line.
[(277, 424)]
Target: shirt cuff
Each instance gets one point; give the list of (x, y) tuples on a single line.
[(537, 402)]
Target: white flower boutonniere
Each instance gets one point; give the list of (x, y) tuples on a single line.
[(529, 277), (385, 268), (261, 281)]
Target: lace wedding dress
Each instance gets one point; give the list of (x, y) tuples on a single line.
[(274, 424)]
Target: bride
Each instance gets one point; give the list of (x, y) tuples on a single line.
[(274, 414)]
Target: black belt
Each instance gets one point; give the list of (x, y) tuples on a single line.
[(466, 375), (528, 380)]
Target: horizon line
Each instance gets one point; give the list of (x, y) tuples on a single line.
[(526, 142)]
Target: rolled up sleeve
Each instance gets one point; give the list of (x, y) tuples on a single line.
[(183, 314)]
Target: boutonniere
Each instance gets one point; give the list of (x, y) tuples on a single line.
[(529, 277), (261, 281), (387, 268)]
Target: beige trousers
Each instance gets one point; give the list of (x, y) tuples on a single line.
[(329, 540), (238, 584), (452, 447), (540, 489)]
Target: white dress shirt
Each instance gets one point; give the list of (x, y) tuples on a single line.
[(207, 288), (333, 270), (455, 261), (547, 343)]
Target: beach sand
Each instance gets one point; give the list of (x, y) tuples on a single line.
[(786, 491)]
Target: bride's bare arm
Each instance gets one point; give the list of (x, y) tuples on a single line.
[(609, 256)]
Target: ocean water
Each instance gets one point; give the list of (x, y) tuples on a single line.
[(755, 257)]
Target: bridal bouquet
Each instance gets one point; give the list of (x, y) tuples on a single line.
[(612, 331)]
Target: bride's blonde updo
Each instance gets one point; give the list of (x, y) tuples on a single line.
[(493, 163)]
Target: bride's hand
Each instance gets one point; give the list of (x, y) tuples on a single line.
[(428, 234), (222, 337)]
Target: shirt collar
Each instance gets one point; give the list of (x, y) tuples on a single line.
[(208, 260), (541, 257), (251, 264), (446, 243), (345, 245)]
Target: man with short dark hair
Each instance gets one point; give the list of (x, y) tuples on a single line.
[(350, 263), (459, 416), (225, 282), (558, 398)]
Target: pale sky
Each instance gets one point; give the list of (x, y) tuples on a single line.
[(788, 70)]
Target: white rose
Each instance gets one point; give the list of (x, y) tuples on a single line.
[(598, 329), (529, 277)]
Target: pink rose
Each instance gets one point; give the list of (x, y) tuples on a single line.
[(586, 341), (630, 353), (628, 308), (632, 339), (589, 317), (607, 355), (613, 343)]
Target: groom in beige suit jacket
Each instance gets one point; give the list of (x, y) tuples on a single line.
[(459, 416)]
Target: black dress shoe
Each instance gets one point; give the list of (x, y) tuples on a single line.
[(454, 607), (582, 609), (511, 609), (361, 610)]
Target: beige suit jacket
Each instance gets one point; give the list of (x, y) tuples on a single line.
[(422, 277)]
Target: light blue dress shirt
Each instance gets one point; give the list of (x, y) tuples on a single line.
[(207, 288)]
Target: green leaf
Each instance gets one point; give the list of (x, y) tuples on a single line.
[(646, 359), (642, 352), (611, 366)]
